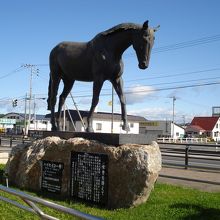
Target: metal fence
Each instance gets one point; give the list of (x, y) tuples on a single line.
[(6, 144), (182, 140), (10, 141), (189, 155), (33, 208)]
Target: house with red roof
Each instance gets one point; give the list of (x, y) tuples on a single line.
[(205, 126)]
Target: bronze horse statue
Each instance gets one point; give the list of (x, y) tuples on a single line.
[(96, 61)]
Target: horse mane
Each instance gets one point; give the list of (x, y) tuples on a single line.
[(116, 29), (120, 27)]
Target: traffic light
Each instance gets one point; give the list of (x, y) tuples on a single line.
[(14, 102)]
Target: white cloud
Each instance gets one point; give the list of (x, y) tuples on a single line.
[(85, 101), (154, 113), (138, 94)]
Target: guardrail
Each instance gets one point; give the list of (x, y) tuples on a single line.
[(33, 208), (10, 141), (205, 153), (182, 140)]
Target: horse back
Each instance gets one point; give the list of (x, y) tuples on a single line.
[(72, 60)]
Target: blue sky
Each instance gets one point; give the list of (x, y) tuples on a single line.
[(190, 29)]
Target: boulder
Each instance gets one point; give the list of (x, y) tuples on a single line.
[(132, 169)]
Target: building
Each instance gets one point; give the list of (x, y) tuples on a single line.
[(15, 123), (162, 129), (205, 127), (6, 124), (216, 111), (102, 122)]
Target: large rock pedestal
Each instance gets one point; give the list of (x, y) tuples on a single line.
[(132, 169)]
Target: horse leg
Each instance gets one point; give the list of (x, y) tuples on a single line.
[(97, 85), (52, 97), (66, 90), (118, 86)]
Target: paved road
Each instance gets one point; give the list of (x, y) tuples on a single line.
[(198, 179)]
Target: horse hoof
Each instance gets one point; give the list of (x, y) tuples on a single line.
[(54, 128), (89, 129), (125, 128)]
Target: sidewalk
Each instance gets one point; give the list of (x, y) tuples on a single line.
[(204, 180), (4, 157)]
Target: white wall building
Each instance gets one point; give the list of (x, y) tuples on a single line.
[(38, 122), (162, 128), (101, 123)]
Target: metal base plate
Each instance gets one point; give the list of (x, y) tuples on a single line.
[(106, 138)]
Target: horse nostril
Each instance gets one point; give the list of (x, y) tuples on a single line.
[(143, 65)]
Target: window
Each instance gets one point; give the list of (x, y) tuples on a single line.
[(131, 125), (216, 134), (98, 126), (177, 134), (216, 126)]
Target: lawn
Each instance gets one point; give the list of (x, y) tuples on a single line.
[(165, 202)]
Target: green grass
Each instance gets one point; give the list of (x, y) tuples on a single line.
[(165, 202)]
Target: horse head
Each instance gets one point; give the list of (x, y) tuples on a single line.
[(143, 41)]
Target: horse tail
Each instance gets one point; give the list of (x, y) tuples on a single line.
[(54, 69), (49, 94)]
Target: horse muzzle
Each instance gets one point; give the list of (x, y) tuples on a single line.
[(143, 65)]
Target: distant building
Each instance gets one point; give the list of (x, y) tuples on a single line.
[(216, 111), (15, 123), (205, 127), (101, 122), (162, 129)]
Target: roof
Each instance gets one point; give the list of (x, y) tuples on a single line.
[(206, 123), (100, 115), (22, 115), (194, 128)]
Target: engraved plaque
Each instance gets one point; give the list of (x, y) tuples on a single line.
[(89, 177), (51, 176)]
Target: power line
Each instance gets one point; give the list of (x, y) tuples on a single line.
[(176, 74), (10, 73), (181, 45), (156, 89), (177, 82), (170, 88), (157, 84), (187, 86), (190, 43)]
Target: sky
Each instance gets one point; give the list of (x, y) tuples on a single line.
[(184, 63)]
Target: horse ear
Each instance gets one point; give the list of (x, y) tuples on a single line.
[(145, 25), (156, 28)]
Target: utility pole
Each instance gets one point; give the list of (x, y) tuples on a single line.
[(184, 120), (25, 116), (34, 113), (112, 124), (33, 70), (64, 117), (174, 99)]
